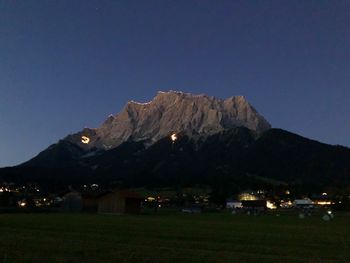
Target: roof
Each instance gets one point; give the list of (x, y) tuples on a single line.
[(231, 200), (124, 193), (305, 201), (254, 203), (94, 194), (66, 193)]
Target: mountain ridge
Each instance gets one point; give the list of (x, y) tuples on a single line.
[(215, 142), (235, 157), (169, 112)]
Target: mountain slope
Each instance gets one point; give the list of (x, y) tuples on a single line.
[(236, 156)]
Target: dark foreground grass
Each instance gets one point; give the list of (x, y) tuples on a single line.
[(172, 238)]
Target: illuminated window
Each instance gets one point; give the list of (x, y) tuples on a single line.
[(247, 197)]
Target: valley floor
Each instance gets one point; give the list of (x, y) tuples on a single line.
[(172, 238)]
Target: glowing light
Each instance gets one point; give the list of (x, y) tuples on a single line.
[(286, 204), (247, 197), (270, 205), (85, 139), (173, 137), (323, 202), (324, 193), (22, 204)]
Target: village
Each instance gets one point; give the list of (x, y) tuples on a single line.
[(95, 199)]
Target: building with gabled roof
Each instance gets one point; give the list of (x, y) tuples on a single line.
[(120, 202)]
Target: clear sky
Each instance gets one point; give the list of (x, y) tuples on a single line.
[(68, 64)]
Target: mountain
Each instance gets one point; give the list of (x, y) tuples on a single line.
[(236, 159), (224, 144), (170, 112)]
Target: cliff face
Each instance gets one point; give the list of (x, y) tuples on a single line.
[(171, 112)]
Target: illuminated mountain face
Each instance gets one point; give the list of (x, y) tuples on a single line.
[(171, 112)]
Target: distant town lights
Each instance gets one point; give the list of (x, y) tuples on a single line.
[(85, 139)]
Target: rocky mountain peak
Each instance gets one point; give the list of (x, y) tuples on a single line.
[(169, 112)]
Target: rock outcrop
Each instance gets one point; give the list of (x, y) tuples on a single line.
[(171, 112)]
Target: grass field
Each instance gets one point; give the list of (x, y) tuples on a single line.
[(172, 238)]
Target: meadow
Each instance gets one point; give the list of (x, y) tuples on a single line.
[(217, 237)]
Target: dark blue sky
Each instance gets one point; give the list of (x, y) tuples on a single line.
[(68, 64)]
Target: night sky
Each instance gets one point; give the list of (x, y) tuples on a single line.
[(66, 65)]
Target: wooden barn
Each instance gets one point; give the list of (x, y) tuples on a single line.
[(90, 200), (120, 202)]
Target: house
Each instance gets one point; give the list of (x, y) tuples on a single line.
[(303, 203), (120, 202), (233, 204), (254, 206), (90, 200), (248, 196), (322, 200)]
